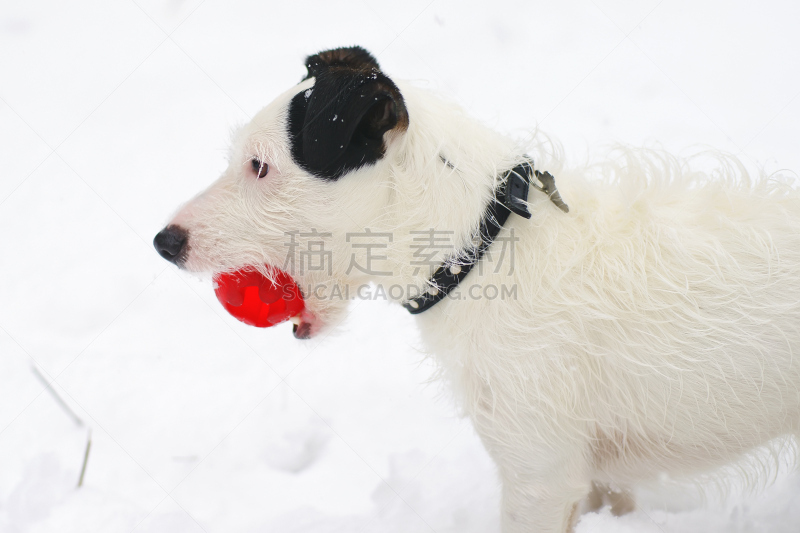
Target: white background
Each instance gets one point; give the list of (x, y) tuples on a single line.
[(112, 113)]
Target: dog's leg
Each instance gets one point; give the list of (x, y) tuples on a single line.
[(594, 502), (621, 501), (543, 482), (542, 487), (530, 509)]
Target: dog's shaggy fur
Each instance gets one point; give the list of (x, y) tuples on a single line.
[(655, 325)]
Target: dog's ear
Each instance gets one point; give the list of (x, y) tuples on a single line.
[(339, 124), (353, 58)]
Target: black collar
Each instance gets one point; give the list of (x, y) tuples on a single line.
[(509, 197)]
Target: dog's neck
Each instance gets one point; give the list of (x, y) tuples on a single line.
[(510, 199), (444, 174)]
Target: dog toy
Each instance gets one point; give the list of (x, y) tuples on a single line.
[(256, 300)]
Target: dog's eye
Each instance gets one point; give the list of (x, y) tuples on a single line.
[(260, 168)]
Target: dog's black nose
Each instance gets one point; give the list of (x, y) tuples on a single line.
[(171, 242)]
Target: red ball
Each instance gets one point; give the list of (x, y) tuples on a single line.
[(255, 300)]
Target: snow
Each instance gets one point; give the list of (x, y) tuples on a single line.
[(112, 114)]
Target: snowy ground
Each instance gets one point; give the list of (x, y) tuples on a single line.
[(112, 113)]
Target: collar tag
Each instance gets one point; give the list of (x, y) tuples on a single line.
[(514, 195)]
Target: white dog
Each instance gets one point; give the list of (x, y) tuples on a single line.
[(649, 327)]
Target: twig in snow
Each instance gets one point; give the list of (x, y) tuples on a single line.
[(57, 396), (78, 421), (85, 457)]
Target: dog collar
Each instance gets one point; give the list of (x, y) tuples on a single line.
[(509, 197)]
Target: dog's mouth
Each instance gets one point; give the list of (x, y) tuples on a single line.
[(261, 301)]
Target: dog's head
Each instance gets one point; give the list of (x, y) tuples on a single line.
[(303, 174)]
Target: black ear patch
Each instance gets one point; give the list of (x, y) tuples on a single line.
[(338, 125), (354, 58)]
